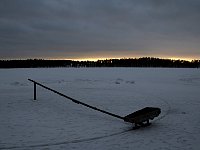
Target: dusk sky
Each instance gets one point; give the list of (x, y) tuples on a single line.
[(99, 29)]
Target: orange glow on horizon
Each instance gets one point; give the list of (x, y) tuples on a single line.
[(181, 58), (95, 57), (125, 54), (104, 58)]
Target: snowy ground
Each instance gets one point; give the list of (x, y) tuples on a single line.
[(53, 122)]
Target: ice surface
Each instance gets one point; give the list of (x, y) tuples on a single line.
[(53, 122)]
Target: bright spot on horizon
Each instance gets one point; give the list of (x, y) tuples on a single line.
[(107, 58)]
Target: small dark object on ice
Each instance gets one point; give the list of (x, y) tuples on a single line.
[(141, 117)]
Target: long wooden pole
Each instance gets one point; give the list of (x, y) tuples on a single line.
[(72, 99)]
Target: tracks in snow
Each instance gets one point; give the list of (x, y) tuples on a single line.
[(166, 106)]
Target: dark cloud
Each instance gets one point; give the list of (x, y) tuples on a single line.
[(77, 28)]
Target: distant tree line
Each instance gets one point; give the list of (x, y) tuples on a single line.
[(130, 62)]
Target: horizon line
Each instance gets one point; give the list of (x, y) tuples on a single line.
[(99, 59)]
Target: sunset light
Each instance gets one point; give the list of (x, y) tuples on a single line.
[(128, 60)]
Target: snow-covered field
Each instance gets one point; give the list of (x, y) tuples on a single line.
[(53, 122)]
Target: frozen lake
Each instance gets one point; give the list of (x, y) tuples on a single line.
[(53, 122)]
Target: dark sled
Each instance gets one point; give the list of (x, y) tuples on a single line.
[(142, 117)]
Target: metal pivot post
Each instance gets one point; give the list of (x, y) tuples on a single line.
[(34, 91)]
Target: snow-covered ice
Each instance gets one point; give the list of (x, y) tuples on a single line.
[(53, 122)]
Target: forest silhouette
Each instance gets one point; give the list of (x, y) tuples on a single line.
[(125, 62)]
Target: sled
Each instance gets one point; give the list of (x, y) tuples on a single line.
[(142, 117)]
